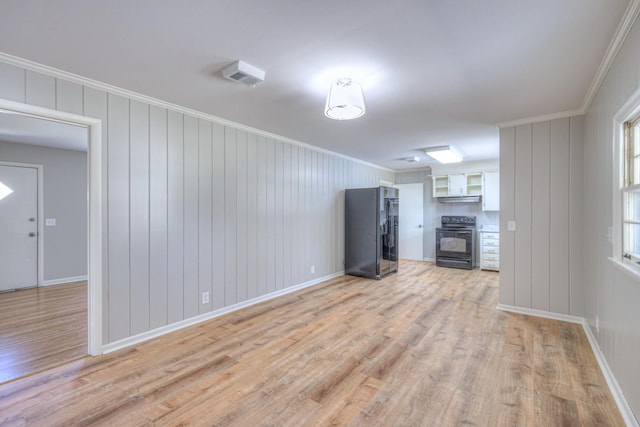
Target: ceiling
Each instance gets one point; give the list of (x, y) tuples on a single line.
[(433, 72), (23, 129)]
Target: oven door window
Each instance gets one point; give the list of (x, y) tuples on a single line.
[(453, 244)]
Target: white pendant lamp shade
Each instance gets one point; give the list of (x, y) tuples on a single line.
[(345, 100)]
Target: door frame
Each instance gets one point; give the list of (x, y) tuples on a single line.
[(40, 233), (94, 188)]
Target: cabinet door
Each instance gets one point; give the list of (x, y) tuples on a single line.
[(458, 184), (491, 191)]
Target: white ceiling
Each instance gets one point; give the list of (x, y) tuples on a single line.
[(434, 72), (22, 129)]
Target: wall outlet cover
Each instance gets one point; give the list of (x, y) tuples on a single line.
[(511, 225), (205, 297), (50, 222)]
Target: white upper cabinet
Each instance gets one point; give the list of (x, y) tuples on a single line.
[(458, 184), (491, 191)]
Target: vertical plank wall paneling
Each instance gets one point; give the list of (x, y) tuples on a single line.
[(118, 218), (139, 217), (230, 215), (547, 198), (218, 216), (12, 82), (68, 97), (41, 90), (559, 196), (285, 219), (194, 206), (279, 216), (191, 213), (252, 216), (540, 216), (507, 213), (205, 237), (270, 253), (262, 216), (523, 214), (576, 210), (242, 234), (158, 217), (175, 217)]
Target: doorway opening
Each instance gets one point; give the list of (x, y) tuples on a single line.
[(91, 292)]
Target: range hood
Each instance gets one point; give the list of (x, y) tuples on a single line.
[(459, 199)]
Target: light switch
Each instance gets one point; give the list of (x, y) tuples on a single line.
[(511, 225), (50, 222)]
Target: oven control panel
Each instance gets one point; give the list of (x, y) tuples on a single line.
[(468, 221)]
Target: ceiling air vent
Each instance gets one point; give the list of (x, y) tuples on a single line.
[(240, 71)]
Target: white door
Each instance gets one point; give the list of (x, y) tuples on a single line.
[(410, 220), (18, 227)]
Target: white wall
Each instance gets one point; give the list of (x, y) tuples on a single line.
[(193, 205), (611, 295), (541, 188), (65, 199)]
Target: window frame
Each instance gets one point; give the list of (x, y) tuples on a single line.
[(629, 112), (630, 184)]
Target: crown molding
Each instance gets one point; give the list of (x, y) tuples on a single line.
[(625, 26), (628, 19), (542, 118), (95, 84)]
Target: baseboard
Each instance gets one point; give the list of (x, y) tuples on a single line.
[(540, 313), (145, 336), (63, 280), (429, 259), (618, 396), (625, 410)]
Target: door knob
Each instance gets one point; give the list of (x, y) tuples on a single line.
[(419, 225), (32, 234), (32, 219)]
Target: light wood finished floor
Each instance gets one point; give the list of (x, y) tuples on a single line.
[(40, 328), (424, 347)]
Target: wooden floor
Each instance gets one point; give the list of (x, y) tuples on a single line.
[(40, 328), (423, 347)]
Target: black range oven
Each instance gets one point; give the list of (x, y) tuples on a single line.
[(456, 242)]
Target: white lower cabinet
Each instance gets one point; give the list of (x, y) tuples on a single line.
[(489, 250)]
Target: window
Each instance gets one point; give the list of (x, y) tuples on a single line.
[(631, 192)]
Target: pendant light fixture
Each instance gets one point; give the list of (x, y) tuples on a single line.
[(345, 100)]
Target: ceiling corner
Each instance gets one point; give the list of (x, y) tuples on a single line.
[(628, 19)]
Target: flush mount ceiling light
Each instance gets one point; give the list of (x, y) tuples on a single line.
[(444, 154), (345, 100)]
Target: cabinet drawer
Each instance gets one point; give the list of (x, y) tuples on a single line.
[(490, 257), (490, 249), (490, 265), (493, 236), (492, 243)]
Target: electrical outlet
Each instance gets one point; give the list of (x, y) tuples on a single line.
[(313, 269), (205, 297), (511, 225), (597, 324)]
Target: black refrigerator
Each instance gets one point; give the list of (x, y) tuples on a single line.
[(371, 231)]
